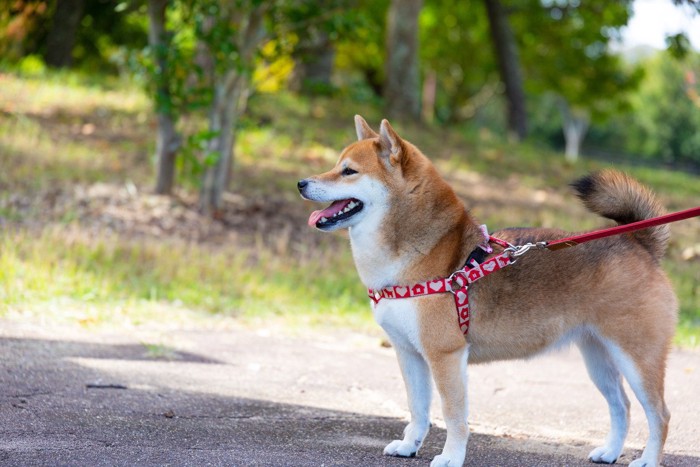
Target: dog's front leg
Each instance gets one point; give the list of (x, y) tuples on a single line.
[(416, 376), (450, 373)]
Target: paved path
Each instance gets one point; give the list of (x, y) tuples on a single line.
[(246, 397)]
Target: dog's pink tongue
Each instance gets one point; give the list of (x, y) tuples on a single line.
[(328, 212)]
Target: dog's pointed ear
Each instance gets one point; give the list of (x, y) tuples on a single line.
[(392, 145), (363, 130)]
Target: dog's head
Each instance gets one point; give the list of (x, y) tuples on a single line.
[(362, 180)]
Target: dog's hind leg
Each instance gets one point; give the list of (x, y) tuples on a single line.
[(607, 378), (416, 376), (643, 369)]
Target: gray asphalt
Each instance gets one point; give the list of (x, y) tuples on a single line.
[(244, 397)]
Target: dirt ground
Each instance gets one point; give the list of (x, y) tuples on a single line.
[(232, 395)]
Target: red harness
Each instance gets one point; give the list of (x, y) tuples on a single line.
[(458, 282)]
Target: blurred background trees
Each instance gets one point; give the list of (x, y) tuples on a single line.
[(402, 67), (547, 70)]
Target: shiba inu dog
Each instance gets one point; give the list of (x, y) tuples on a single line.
[(609, 297)]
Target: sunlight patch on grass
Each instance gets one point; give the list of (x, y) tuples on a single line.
[(54, 130), (30, 156), (66, 92)]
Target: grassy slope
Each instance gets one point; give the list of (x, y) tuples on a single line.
[(63, 263)]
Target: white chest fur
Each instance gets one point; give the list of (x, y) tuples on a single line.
[(377, 268), (375, 264), (399, 319)]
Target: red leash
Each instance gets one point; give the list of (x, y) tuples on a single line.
[(620, 229)]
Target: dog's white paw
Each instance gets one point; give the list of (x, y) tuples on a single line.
[(604, 455), (400, 448), (453, 457), (441, 460), (641, 462)]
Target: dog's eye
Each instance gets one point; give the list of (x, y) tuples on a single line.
[(348, 171)]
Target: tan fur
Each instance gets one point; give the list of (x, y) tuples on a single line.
[(612, 288)]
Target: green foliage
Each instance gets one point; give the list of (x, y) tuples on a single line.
[(196, 157), (182, 78), (564, 48), (305, 34), (110, 33), (294, 21), (562, 45), (678, 45), (23, 28), (663, 122), (362, 53), (455, 44), (31, 66), (216, 26), (210, 49)]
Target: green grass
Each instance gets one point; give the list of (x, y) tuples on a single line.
[(685, 276), (54, 269), (99, 275)]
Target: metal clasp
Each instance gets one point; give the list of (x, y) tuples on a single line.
[(518, 250)]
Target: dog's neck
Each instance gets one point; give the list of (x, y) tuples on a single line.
[(414, 242)]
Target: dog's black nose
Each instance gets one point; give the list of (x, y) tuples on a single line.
[(301, 184)]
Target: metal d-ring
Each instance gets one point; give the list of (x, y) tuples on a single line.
[(454, 285)]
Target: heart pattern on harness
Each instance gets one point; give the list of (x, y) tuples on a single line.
[(461, 297), (489, 266), (436, 286), (464, 313)]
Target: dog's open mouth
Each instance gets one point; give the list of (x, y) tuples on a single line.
[(336, 212)]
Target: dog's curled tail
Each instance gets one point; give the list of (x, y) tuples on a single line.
[(619, 197)]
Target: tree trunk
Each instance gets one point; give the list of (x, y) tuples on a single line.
[(230, 98), (226, 109), (429, 94), (64, 28), (314, 65), (168, 143), (402, 85), (506, 51), (575, 125), (167, 140)]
